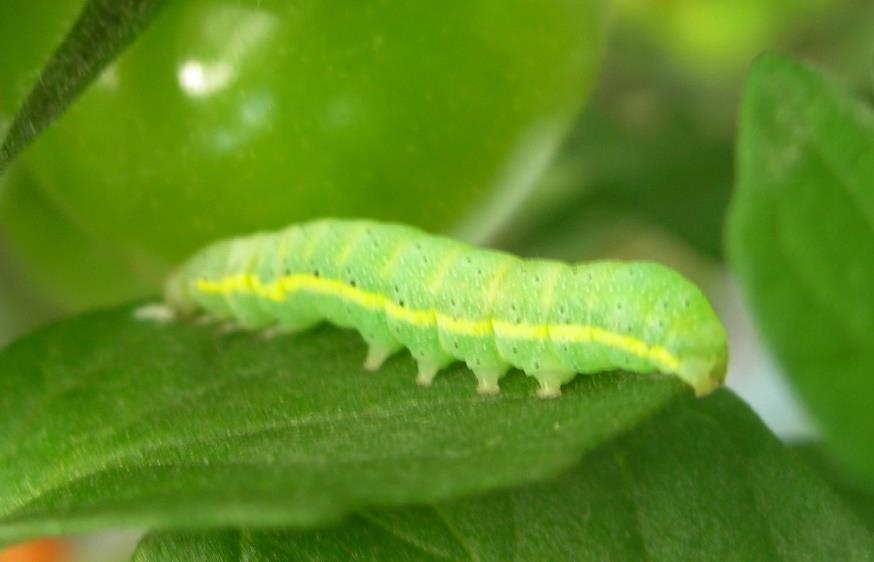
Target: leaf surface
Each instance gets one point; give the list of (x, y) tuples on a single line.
[(801, 235), (109, 421), (705, 480), (857, 498)]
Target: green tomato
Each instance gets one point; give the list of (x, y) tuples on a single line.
[(29, 32), (39, 240), (228, 117)]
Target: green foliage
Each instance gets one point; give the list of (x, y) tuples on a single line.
[(702, 481), (106, 420), (861, 501), (646, 149), (802, 243), (228, 117)]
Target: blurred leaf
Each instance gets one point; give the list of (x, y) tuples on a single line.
[(649, 147), (104, 28), (704, 480), (840, 40), (801, 236), (109, 421), (656, 144)]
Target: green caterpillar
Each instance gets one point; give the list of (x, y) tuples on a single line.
[(446, 301)]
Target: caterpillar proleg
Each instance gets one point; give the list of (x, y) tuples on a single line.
[(446, 301)]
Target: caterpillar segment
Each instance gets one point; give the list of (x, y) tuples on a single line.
[(362, 263), (520, 318), (473, 281), (446, 301)]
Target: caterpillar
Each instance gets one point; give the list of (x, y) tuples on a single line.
[(447, 301)]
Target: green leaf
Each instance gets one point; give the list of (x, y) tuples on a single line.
[(103, 29), (801, 235), (110, 421), (859, 500), (703, 481)]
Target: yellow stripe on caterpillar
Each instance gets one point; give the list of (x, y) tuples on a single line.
[(279, 289)]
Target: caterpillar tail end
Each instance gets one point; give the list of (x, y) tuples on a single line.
[(704, 375)]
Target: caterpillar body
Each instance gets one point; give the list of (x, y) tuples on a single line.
[(447, 301)]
